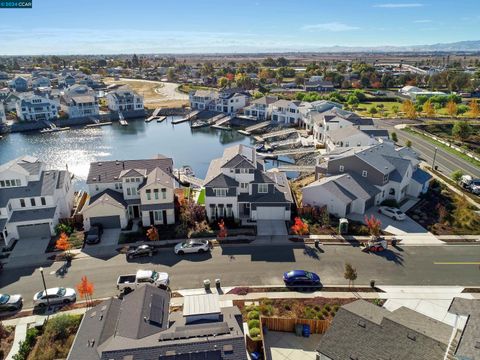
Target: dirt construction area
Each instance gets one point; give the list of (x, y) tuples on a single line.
[(155, 93)]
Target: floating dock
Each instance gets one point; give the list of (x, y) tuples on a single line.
[(161, 118), (99, 124)]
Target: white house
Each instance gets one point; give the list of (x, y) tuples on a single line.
[(36, 108), (309, 112), (351, 180), (285, 111), (413, 92), (3, 117), (32, 199), (259, 108), (237, 186), (124, 99), (201, 99), (130, 189), (227, 101), (79, 101), (352, 136)]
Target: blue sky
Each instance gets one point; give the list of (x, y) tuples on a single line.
[(196, 26)]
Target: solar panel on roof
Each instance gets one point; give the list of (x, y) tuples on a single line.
[(156, 309)]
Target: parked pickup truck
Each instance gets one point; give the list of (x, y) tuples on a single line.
[(131, 281)]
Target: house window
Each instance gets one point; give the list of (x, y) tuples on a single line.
[(42, 200), (220, 192), (129, 192), (385, 178), (243, 171), (127, 180), (18, 182), (392, 191), (149, 194), (263, 188), (157, 216), (364, 173), (32, 201), (164, 194), (9, 207), (243, 185), (96, 188), (2, 183), (155, 194), (22, 202), (341, 168), (229, 210)]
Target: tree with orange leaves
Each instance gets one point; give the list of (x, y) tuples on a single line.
[(85, 290), (222, 233), (374, 225), (299, 227), (63, 243), (152, 233)]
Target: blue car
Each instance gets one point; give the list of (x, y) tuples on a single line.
[(301, 277)]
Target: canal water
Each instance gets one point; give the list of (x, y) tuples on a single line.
[(78, 147)]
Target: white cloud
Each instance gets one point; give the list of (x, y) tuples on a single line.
[(332, 26), (423, 21), (398, 5)]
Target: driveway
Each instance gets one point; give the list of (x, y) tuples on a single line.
[(271, 228), (27, 250), (287, 346), (108, 243)]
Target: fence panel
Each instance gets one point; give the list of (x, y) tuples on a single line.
[(288, 324)]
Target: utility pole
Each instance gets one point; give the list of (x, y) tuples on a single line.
[(434, 157), (45, 287)]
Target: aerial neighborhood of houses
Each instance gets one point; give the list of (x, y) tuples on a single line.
[(218, 209)]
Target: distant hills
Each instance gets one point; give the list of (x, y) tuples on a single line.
[(460, 46)]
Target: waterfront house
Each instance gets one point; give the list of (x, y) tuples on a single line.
[(227, 101), (32, 107), (311, 112), (9, 99), (79, 101), (351, 180), (130, 189), (285, 112), (32, 199), (352, 136), (362, 330), (259, 108), (237, 186), (40, 82), (126, 101), (141, 326), (19, 84)]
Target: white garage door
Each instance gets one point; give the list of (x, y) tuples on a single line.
[(34, 231), (270, 213)]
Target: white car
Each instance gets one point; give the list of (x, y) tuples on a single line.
[(391, 212), (55, 296), (192, 246)]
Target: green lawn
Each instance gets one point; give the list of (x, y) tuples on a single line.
[(362, 108)]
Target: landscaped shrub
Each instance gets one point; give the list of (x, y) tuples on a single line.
[(327, 307), (254, 332), (317, 308), (336, 307), (63, 228), (27, 345), (266, 310), (253, 315), (309, 313), (253, 323), (325, 312)]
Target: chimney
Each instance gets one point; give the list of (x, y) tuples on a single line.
[(123, 165)]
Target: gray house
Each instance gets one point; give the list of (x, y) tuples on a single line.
[(19, 84), (364, 331), (141, 327)]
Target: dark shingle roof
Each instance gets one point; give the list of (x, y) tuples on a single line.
[(115, 195), (33, 214), (469, 345)]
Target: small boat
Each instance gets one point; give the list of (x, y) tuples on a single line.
[(161, 118), (185, 170), (198, 124), (123, 122)]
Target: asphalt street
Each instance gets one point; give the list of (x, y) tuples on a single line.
[(446, 161), (263, 265)]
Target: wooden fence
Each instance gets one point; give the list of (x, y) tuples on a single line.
[(288, 325)]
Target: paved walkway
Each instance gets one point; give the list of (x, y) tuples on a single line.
[(287, 346)]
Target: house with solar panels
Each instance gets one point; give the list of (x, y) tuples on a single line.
[(141, 326)]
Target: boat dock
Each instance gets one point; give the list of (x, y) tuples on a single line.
[(161, 118), (248, 130), (182, 178), (279, 133), (190, 116), (297, 151), (98, 124), (156, 116), (297, 168), (219, 123)]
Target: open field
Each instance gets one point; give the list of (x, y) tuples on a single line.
[(156, 94)]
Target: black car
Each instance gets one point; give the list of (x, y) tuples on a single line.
[(94, 235), (139, 251)]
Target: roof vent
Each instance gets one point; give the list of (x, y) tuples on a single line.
[(99, 164), (117, 162), (412, 337), (362, 324)]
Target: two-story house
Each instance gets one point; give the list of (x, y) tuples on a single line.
[(259, 108), (36, 108), (227, 101), (32, 199), (124, 100), (237, 186), (66, 80), (39, 82), (352, 136), (311, 112), (351, 180), (285, 111), (201, 99), (79, 101), (19, 84), (130, 189)]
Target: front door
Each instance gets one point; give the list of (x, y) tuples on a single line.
[(152, 219), (136, 212), (164, 215)]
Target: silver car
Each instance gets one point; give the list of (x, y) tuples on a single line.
[(391, 212), (10, 302), (192, 246), (55, 296)]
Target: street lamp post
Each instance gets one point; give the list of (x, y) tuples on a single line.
[(434, 157), (45, 288)]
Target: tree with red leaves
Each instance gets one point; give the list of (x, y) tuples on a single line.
[(374, 225), (85, 289), (299, 227), (222, 233), (63, 243), (152, 233)]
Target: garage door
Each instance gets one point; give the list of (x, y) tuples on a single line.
[(270, 213), (108, 222), (34, 231)]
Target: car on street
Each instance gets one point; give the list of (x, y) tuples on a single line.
[(301, 277), (392, 212), (130, 282), (192, 246), (94, 235), (140, 251), (10, 302), (54, 296)]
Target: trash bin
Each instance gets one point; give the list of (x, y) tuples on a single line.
[(298, 329), (217, 283), (206, 284), (306, 330)]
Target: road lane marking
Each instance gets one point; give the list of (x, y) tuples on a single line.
[(458, 263)]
